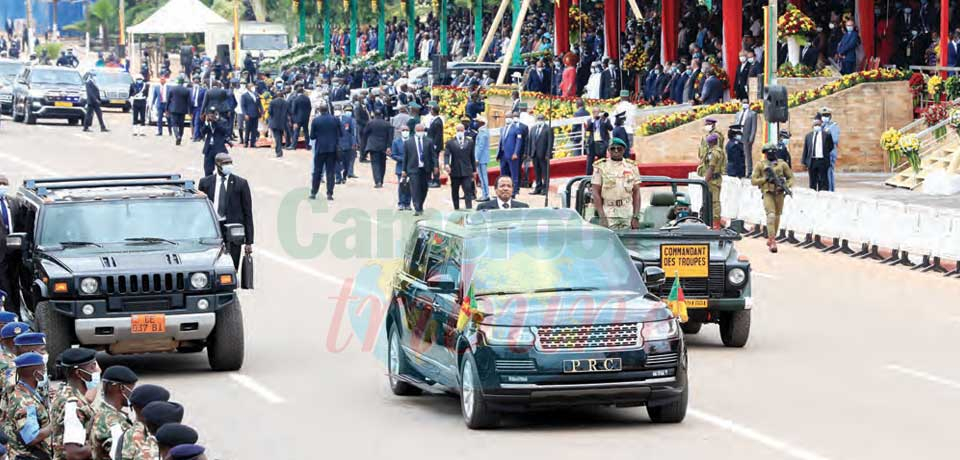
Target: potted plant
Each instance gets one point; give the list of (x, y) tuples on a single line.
[(793, 27)]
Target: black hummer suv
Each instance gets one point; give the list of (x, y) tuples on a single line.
[(127, 264)]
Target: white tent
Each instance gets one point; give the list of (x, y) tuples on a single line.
[(178, 17)]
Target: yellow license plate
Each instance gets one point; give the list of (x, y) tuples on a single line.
[(696, 303), (118, 101), (148, 324), (63, 104), (685, 260)]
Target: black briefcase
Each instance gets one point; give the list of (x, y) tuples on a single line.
[(405, 185), (246, 272)]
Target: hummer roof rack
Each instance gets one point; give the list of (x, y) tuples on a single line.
[(43, 187)]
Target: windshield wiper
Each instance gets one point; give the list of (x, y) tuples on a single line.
[(150, 239), (565, 289), (78, 243)]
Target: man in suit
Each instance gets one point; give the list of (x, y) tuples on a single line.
[(693, 73), (816, 156), (10, 208), (361, 113), (511, 149), (216, 137), (576, 129), (216, 97), (461, 165), (197, 95), (349, 143), (138, 97), (747, 120), (397, 151), (93, 106), (620, 132), (378, 137), (743, 76), (809, 56), (299, 115), (610, 82), (953, 50), (541, 150), (232, 202), (232, 103), (712, 92), (252, 110), (278, 115), (598, 137), (417, 165), (505, 194), (435, 133), (178, 106), (325, 133), (847, 49)]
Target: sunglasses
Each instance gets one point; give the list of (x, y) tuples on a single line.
[(616, 149)]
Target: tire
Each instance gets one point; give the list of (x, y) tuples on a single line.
[(16, 116), (59, 331), (397, 365), (73, 121), (126, 109), (30, 118), (475, 412), (225, 344), (735, 328), (691, 327), (673, 412)]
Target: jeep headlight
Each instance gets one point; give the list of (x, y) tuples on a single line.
[(660, 330), (89, 285), (737, 276), (506, 335), (198, 280)]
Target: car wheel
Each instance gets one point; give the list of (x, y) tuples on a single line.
[(225, 345), (59, 331), (30, 118), (735, 328), (674, 411), (476, 414), (126, 109), (397, 365), (16, 115), (73, 121), (691, 327)]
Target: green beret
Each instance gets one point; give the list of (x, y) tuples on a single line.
[(683, 201), (769, 146), (618, 141)]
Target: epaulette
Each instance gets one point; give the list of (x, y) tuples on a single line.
[(629, 161), (597, 163)]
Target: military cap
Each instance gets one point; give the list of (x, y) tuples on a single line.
[(145, 394), (119, 374), (682, 200), (185, 452), (736, 127), (28, 359), (785, 134), (160, 413), (175, 434), (72, 357), (710, 121), (713, 139), (7, 317), (30, 338), (212, 110), (769, 147), (464, 118), (825, 111), (414, 106), (618, 141), (14, 329)]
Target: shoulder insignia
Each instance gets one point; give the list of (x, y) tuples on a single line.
[(599, 162)]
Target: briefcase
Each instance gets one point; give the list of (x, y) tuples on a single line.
[(246, 272), (405, 185)]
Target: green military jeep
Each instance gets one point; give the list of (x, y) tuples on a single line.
[(714, 277)]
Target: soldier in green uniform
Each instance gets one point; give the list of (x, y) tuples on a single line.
[(172, 435), (26, 420), (35, 342), (616, 189), (8, 333), (772, 194), (109, 422), (72, 407), (711, 168), (141, 444), (710, 126), (136, 441)]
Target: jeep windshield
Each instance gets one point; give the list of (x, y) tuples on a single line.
[(550, 260), (55, 77), (113, 79), (127, 222)]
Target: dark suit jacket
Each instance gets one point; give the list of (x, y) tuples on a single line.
[(278, 112), (808, 147), (201, 93), (609, 84), (712, 90), (541, 141), (378, 134), (250, 105), (740, 84), (15, 209), (604, 134), (300, 109), (215, 137), (410, 163), (93, 93), (809, 56), (435, 133), (216, 97), (326, 130), (460, 158), (493, 204), (239, 202), (178, 100)]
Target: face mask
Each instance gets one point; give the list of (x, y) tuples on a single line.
[(818, 128), (750, 60), (226, 169), (421, 134), (3, 190), (405, 135), (682, 214), (42, 380), (738, 137), (94, 380), (708, 128), (907, 10), (849, 28), (785, 142), (825, 119), (336, 114), (743, 59)]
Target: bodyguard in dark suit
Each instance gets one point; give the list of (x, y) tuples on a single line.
[(252, 110), (378, 135), (541, 150), (197, 94), (418, 165), (349, 143), (511, 149), (300, 111), (216, 97), (598, 136), (736, 160), (712, 90), (817, 146), (278, 122), (325, 132), (461, 165), (743, 75), (10, 222), (610, 82), (93, 106), (179, 107), (847, 49), (216, 134), (435, 133), (232, 201)]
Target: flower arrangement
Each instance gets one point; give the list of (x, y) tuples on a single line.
[(578, 18), (934, 85), (909, 148), (890, 139), (934, 114), (788, 70), (955, 119), (636, 60), (917, 83), (952, 87), (793, 23)]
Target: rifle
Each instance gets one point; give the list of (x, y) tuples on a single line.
[(777, 180)]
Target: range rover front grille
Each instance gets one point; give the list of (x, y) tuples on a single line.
[(146, 283), (555, 338), (662, 360)]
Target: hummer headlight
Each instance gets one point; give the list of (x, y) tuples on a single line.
[(89, 285), (198, 280)]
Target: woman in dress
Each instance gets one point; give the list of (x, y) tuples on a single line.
[(593, 84)]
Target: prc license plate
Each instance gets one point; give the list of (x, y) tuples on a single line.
[(574, 366), (685, 260), (696, 303), (63, 104), (118, 101), (148, 324)]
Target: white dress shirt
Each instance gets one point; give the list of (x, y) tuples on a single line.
[(216, 191), (817, 144), (503, 204)]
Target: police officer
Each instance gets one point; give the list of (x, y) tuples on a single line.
[(7, 334), (172, 435), (710, 126), (71, 411), (680, 209), (772, 194), (736, 156), (135, 439), (712, 165), (118, 384), (139, 442), (25, 411), (187, 452), (783, 141), (616, 189), (30, 342)]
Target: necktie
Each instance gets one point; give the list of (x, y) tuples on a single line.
[(6, 215), (222, 205), (506, 205)]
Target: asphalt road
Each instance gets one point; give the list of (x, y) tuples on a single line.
[(847, 360)]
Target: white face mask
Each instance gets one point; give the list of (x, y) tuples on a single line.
[(825, 119), (750, 60), (405, 134), (743, 59), (337, 113), (227, 169), (421, 134), (708, 128), (3, 190)]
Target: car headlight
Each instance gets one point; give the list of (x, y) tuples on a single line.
[(660, 330), (737, 276), (507, 335), (89, 285), (198, 280)]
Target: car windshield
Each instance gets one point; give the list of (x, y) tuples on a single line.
[(545, 260), (9, 70), (55, 77), (117, 221), (264, 42), (118, 78)]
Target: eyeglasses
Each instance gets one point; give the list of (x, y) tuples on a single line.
[(616, 149)]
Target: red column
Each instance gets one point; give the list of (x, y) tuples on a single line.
[(610, 26), (866, 17), (669, 27), (562, 30), (944, 32), (623, 14), (732, 38)]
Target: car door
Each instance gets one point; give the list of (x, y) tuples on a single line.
[(27, 224), (415, 302), (446, 307)]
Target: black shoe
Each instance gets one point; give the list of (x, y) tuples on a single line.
[(418, 213), (178, 141), (329, 197), (158, 134), (104, 130), (313, 196), (86, 130), (279, 155), (378, 186), (353, 176)]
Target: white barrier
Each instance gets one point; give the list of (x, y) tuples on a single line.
[(949, 247), (924, 238)]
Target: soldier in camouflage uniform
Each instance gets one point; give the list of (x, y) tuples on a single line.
[(109, 421), (710, 126), (137, 442), (773, 195), (8, 333), (141, 444), (26, 421), (616, 189), (72, 408), (711, 168), (171, 435)]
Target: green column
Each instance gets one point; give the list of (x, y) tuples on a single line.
[(381, 28), (353, 27), (477, 25), (411, 37), (303, 24), (516, 48), (443, 28), (326, 28)]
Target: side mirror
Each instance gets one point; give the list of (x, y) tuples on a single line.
[(235, 233), (653, 277), (442, 283), (15, 241)]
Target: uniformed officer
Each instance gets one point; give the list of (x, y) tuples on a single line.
[(711, 168), (172, 435), (141, 443), (71, 410), (6, 343), (616, 189), (772, 194), (35, 342), (135, 440), (710, 126), (26, 420), (680, 209), (187, 452), (109, 421)]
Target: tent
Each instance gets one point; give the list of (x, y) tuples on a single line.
[(178, 17)]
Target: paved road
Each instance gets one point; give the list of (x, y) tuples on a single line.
[(848, 359)]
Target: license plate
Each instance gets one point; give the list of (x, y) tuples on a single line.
[(574, 366), (148, 324), (696, 303), (63, 104), (685, 260), (118, 101)]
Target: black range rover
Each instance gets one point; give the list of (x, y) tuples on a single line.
[(562, 318)]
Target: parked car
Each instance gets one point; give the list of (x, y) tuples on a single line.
[(9, 71)]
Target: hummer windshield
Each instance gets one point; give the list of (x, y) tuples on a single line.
[(127, 221)]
